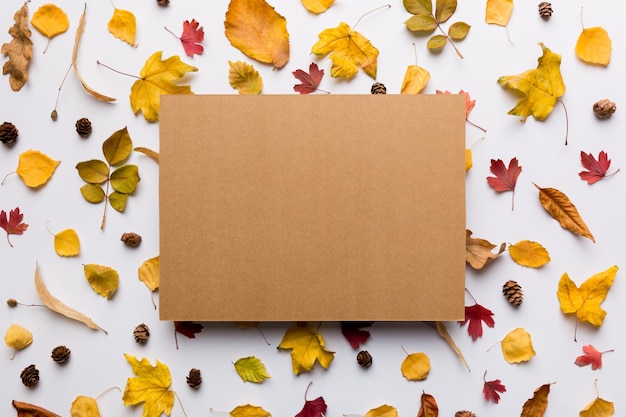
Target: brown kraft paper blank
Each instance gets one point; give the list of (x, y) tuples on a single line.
[(308, 208)]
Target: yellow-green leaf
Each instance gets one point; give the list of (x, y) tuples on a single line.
[(382, 411), (418, 6), (499, 12), (50, 20), (529, 253), (93, 171), (415, 79), (421, 23), (244, 78), (84, 406), (35, 168), (444, 10), (117, 147), (67, 243), (123, 26), (92, 193), (125, 179), (18, 337), (251, 369), (435, 43), (517, 346), (103, 279), (594, 46), (118, 200), (317, 6), (416, 366), (249, 411), (458, 31)]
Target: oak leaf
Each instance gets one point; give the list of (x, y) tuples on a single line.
[(13, 225), (19, 50), (528, 253), (244, 78), (382, 411), (317, 6), (415, 366), (312, 408), (67, 243), (541, 87), (307, 347), (492, 389), (31, 410), (103, 279), (537, 405), (591, 357), (348, 50), (594, 46), (428, 406), (251, 369), (151, 386), (35, 168), (499, 12), (50, 20), (249, 411), (123, 25), (309, 81), (505, 178), (478, 251), (517, 346), (559, 206), (157, 77), (596, 169), (257, 30), (598, 408), (354, 333), (18, 337), (476, 315)]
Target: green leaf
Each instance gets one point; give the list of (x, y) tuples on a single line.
[(118, 200), (419, 6), (458, 31), (117, 147), (251, 369), (421, 23), (436, 42), (125, 179), (93, 171), (445, 9), (103, 279), (92, 193)]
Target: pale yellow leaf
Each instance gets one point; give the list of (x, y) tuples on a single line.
[(594, 46), (499, 12), (50, 20), (18, 337), (149, 273), (123, 26), (416, 366), (67, 243), (382, 411), (529, 253), (317, 6), (415, 79), (35, 168), (103, 279), (517, 346), (84, 406), (249, 411)]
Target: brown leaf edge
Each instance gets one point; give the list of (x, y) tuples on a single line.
[(476, 261), (154, 155), (26, 409), (537, 405)]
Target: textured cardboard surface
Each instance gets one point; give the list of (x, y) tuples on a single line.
[(318, 207)]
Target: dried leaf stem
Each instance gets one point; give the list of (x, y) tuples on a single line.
[(566, 120), (54, 113), (368, 13), (119, 72)]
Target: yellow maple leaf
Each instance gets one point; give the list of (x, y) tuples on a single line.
[(498, 12), (348, 50), (383, 411), (35, 168), (317, 6), (244, 78), (151, 386), (529, 253), (249, 411), (307, 347), (103, 279), (67, 243), (19, 50), (257, 30), (18, 337), (50, 20), (517, 346), (541, 87), (123, 26), (157, 77), (416, 366), (594, 46), (83, 406)]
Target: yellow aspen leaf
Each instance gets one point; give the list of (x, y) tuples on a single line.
[(468, 159), (50, 20), (18, 337), (149, 273), (382, 411), (478, 252), (415, 79), (540, 87), (348, 50), (598, 408), (251, 369), (151, 386), (249, 411), (157, 77), (537, 405), (559, 206), (103, 279), (529, 253), (428, 406), (257, 30), (67, 243), (84, 406), (594, 46), (517, 346), (317, 6), (244, 78), (499, 12), (35, 168), (307, 348), (416, 366), (123, 26), (19, 50)]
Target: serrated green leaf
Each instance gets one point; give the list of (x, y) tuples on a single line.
[(117, 147), (251, 369), (458, 31), (92, 193), (436, 42), (421, 23), (103, 279), (118, 200), (419, 6), (125, 179), (93, 171), (444, 10)]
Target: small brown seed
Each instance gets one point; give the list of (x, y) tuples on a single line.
[(12, 302), (604, 108), (131, 239)]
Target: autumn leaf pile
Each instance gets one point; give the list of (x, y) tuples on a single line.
[(545, 200)]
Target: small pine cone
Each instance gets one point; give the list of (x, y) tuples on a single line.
[(131, 239), (83, 127), (141, 334), (364, 359), (513, 292), (163, 2), (545, 10), (194, 379), (8, 133), (379, 88), (604, 108), (61, 354), (464, 413), (30, 376)]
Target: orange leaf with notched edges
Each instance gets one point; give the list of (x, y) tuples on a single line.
[(19, 50), (529, 254), (559, 206), (478, 251), (123, 25), (537, 405), (598, 408), (257, 30), (307, 348)]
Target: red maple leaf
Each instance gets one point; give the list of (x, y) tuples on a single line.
[(505, 178), (592, 356), (312, 408), (476, 315), (191, 37), (188, 328), (491, 389), (310, 80), (596, 168), (13, 225), (353, 333)]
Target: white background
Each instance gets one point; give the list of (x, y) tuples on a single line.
[(97, 361)]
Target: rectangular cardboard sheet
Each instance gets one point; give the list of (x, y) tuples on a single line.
[(308, 208)]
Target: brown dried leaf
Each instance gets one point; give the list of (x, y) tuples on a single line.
[(563, 210), (478, 251), (19, 50), (428, 406), (31, 410), (154, 155), (536, 406)]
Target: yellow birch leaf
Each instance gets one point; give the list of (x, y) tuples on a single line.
[(103, 279), (468, 159), (19, 50), (251, 369), (307, 348), (382, 411), (416, 366), (157, 77), (67, 243), (244, 78), (18, 337), (249, 411), (563, 210), (415, 79), (35, 168), (598, 408), (50, 20), (529, 253), (149, 273), (151, 386), (123, 26), (348, 50), (84, 406), (317, 6), (257, 30), (478, 251), (499, 12), (537, 405), (594, 46), (517, 346)]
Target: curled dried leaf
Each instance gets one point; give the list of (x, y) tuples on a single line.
[(478, 252), (563, 210)]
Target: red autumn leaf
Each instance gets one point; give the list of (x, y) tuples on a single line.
[(188, 328), (469, 105), (191, 37), (592, 356), (596, 168), (491, 389), (505, 178), (13, 225), (354, 334), (310, 81), (476, 315)]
